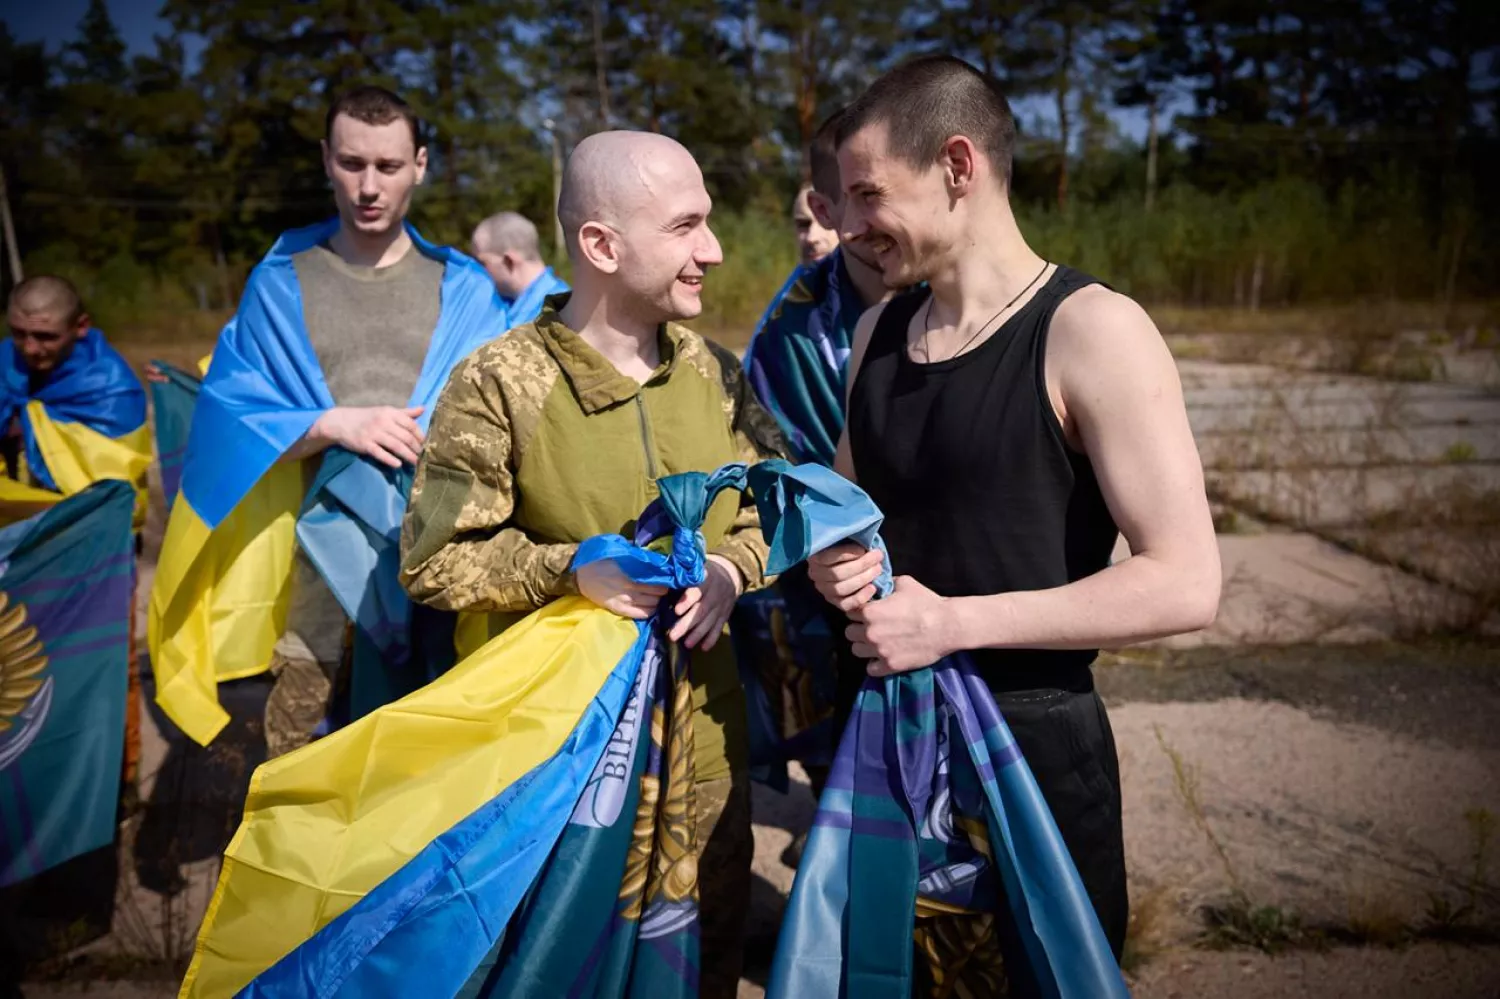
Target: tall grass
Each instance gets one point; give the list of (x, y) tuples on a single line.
[(759, 252)]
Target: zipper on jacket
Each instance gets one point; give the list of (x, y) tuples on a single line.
[(640, 409)]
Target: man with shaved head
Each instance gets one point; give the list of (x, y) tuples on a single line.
[(508, 247), (558, 432)]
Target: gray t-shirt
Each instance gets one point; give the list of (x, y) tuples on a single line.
[(370, 328)]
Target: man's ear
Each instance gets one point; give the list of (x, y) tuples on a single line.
[(82, 325), (421, 162), (823, 210), (599, 245), (959, 161)]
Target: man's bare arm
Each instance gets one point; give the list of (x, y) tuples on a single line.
[(1121, 399)]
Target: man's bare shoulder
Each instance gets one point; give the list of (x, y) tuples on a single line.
[(1103, 353), (1098, 318)]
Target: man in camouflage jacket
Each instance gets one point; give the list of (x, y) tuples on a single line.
[(558, 432)]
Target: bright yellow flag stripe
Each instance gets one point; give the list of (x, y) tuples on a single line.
[(326, 824), (219, 600), (77, 456)]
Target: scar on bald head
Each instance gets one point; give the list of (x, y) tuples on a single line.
[(611, 174), (47, 295)]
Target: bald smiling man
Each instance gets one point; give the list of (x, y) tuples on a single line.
[(558, 432)]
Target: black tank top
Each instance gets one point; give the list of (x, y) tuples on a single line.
[(981, 493)]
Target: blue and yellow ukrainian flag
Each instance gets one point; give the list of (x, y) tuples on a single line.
[(87, 423), (66, 580), (522, 826), (218, 604)]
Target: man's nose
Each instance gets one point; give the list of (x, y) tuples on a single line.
[(710, 253), (368, 188)]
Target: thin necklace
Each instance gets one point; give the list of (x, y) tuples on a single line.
[(927, 320)]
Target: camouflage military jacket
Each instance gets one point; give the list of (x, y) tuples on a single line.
[(538, 443)]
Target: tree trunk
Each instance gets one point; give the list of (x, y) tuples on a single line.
[(12, 250), (221, 264), (1257, 278), (987, 42), (807, 90), (1065, 63), (749, 34), (1451, 285), (1151, 154), (601, 67)]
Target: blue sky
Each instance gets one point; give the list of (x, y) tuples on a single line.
[(56, 21)]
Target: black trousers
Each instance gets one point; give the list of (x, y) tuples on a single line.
[(1066, 739)]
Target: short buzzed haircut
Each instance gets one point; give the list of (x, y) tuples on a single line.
[(926, 101), (508, 232), (823, 158), (49, 295), (374, 106)]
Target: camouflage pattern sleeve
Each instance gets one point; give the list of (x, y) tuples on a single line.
[(757, 437), (458, 549)]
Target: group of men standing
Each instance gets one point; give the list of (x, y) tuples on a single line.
[(1008, 415)]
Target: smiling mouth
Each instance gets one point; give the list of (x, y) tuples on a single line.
[(692, 282)]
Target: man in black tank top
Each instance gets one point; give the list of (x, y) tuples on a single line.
[(1010, 419)]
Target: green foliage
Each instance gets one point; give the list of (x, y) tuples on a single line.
[(759, 253), (1332, 153)]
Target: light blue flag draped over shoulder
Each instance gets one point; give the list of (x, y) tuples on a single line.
[(66, 580), (528, 305), (930, 822), (580, 878)]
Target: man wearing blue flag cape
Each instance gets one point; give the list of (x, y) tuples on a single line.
[(281, 551), (1005, 418), (510, 250), (559, 434), (73, 411)]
